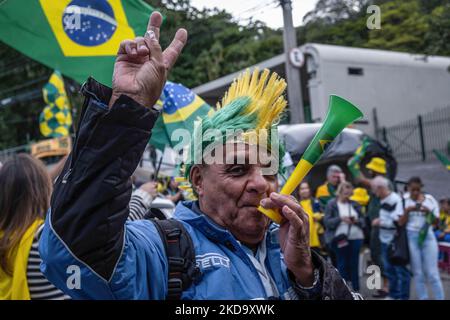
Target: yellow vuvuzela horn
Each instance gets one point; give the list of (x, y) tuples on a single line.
[(340, 114)]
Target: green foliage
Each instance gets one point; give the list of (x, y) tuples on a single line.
[(416, 26), (403, 27), (437, 37), (217, 44)]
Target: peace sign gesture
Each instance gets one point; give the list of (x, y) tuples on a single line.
[(141, 67)]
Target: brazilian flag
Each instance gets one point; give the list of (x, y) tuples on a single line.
[(56, 118), (180, 108), (78, 37)]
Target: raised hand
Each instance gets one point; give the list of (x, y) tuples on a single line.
[(294, 236), (141, 67)]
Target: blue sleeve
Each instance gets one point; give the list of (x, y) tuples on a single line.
[(88, 249), (140, 273)]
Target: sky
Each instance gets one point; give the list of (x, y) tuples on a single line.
[(264, 10)]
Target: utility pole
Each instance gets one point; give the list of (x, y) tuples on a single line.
[(292, 73)]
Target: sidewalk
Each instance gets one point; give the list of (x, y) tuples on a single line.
[(367, 294)]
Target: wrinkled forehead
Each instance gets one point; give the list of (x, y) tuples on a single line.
[(240, 153)]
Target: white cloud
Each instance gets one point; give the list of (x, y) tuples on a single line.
[(264, 10)]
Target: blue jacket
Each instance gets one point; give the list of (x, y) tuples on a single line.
[(141, 271), (90, 251)]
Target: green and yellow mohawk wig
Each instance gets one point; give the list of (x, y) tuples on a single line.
[(253, 104)]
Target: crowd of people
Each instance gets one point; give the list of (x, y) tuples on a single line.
[(132, 239), (341, 222), (344, 218)]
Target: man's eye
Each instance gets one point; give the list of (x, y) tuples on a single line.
[(237, 170)]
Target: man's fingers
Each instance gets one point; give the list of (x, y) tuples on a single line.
[(293, 218), (142, 48), (125, 47), (267, 203), (290, 202), (153, 45), (132, 48), (170, 55), (282, 200), (151, 37), (154, 23)]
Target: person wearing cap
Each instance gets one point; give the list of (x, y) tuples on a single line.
[(361, 196), (327, 190), (391, 211), (239, 253), (375, 167)]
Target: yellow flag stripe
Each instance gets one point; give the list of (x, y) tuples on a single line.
[(183, 113)]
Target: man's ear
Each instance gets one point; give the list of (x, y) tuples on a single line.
[(196, 177)]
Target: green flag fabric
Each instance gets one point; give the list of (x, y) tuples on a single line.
[(56, 118), (180, 108), (78, 37), (443, 159)]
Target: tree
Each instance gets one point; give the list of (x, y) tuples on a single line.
[(403, 27), (437, 38)]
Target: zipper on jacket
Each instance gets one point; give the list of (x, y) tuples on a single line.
[(67, 174), (245, 257), (83, 112)]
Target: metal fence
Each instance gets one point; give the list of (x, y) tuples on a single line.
[(415, 139)]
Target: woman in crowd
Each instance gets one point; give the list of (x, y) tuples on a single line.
[(344, 224), (173, 192), (25, 189), (312, 208), (421, 211)]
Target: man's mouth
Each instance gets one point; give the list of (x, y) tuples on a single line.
[(251, 208)]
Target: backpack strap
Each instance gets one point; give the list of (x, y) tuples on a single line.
[(155, 213), (180, 256)]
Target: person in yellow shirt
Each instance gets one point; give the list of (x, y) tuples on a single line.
[(25, 190), (327, 190), (443, 228), (312, 208)]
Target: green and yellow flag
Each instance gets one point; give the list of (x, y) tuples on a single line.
[(56, 118), (180, 108), (443, 159), (78, 37)]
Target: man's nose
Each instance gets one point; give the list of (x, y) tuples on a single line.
[(257, 182)]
